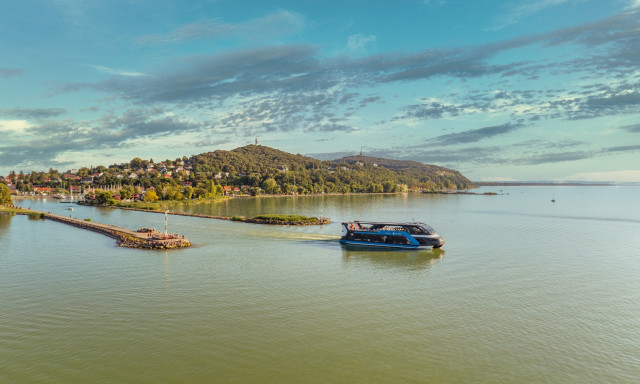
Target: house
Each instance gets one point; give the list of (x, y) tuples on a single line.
[(133, 175), (43, 190), (226, 189)]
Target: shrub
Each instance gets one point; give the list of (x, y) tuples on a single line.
[(36, 215)]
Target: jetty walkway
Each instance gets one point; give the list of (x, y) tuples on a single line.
[(149, 239), (125, 237)]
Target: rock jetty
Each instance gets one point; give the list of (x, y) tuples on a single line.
[(142, 239)]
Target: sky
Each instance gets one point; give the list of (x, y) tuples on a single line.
[(498, 89)]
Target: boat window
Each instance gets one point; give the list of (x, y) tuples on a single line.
[(421, 229), (393, 228)]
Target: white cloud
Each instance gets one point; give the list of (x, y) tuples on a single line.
[(271, 26), (524, 10), (18, 126), (117, 72), (358, 42)]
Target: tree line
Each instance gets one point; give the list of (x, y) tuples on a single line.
[(254, 169)]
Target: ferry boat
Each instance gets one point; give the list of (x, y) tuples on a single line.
[(390, 235)]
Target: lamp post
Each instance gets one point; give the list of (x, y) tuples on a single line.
[(166, 211)]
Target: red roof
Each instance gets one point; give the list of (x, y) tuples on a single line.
[(43, 189)]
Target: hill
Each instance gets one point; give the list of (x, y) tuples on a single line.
[(415, 173), (254, 164), (252, 169)]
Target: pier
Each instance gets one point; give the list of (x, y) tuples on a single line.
[(149, 239), (126, 237)]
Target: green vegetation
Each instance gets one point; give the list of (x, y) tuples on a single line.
[(277, 172), (150, 196), (105, 198), (417, 175), (249, 170), (140, 205), (287, 218), (36, 215), (12, 210), (5, 194)]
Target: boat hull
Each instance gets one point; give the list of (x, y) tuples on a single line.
[(383, 245)]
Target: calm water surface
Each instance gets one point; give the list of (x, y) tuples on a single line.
[(524, 291)]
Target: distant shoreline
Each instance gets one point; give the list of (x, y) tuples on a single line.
[(544, 184)]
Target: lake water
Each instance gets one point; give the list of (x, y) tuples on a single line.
[(524, 291)]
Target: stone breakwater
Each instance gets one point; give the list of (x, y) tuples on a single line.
[(125, 237)]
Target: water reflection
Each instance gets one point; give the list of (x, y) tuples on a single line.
[(167, 281), (5, 220), (412, 259)]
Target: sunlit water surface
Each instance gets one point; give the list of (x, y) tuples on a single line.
[(525, 290)]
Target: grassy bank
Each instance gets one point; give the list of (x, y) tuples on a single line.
[(13, 210), (287, 218)]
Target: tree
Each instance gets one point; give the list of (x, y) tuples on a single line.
[(388, 186), (270, 186), (150, 196), (188, 192), (5, 194), (126, 192), (106, 198), (136, 163)]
